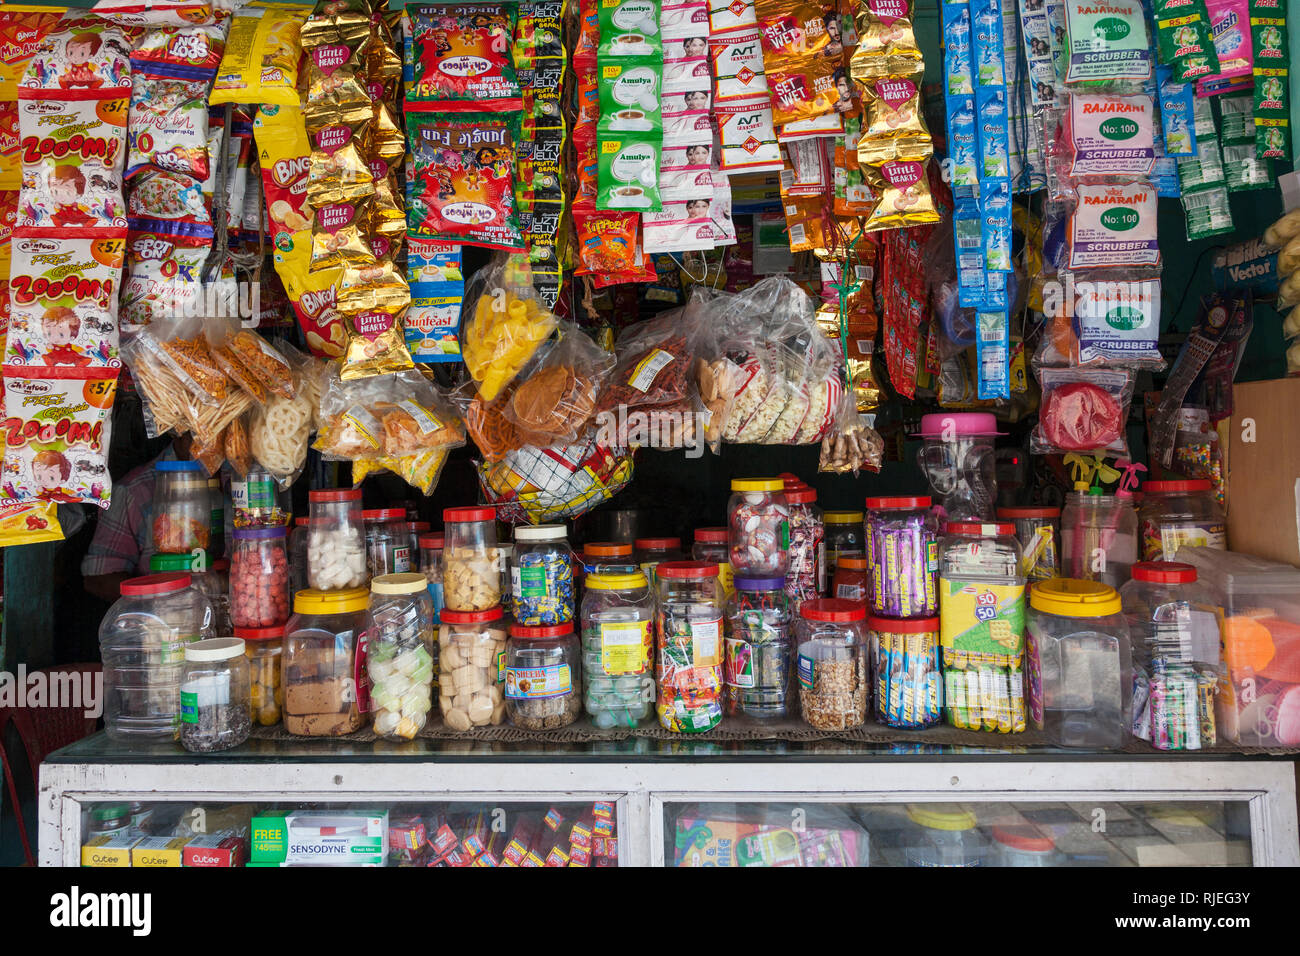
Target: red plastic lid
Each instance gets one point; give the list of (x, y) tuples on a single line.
[(435, 541), (1029, 511), (301, 522), (384, 514), (417, 526), (1173, 487), (687, 570), (544, 630), (335, 494), (462, 515), (911, 625), (164, 583), (834, 610), (791, 480), (711, 535), (978, 527), (889, 504), (1164, 572), (1024, 838), (470, 617), (260, 633), (802, 495), (658, 544), (607, 549)]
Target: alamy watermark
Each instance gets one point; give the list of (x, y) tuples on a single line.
[(662, 428), (75, 690), (1100, 298)]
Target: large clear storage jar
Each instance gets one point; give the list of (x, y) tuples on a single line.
[(471, 561), (541, 576), (618, 613), (401, 654), (759, 655), (1038, 529), (902, 557), (1176, 514), (843, 536), (325, 680), (834, 676), (689, 635), (471, 665), (758, 522), (710, 545), (182, 508), (1099, 537), (336, 540), (543, 684), (214, 695), (908, 679), (259, 577)]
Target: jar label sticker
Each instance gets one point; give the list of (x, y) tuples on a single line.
[(850, 592), (625, 648), (706, 639), (981, 618), (643, 375), (501, 667), (739, 669), (534, 683), (806, 671), (401, 560), (189, 707)]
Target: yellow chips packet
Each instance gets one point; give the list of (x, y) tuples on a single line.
[(260, 64)]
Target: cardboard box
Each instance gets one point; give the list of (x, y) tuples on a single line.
[(1264, 474), (214, 849), (338, 838), (158, 851), (110, 850)]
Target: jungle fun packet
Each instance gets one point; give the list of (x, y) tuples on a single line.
[(462, 58), (1114, 225), (1111, 135), (464, 179), (260, 63), (1108, 44), (56, 435), (1184, 43), (1272, 68)]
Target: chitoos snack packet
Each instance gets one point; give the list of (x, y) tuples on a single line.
[(462, 57), (463, 182), (797, 60)]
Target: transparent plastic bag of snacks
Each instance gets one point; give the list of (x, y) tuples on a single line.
[(385, 416), (279, 431), (485, 423), (537, 485), (421, 471), (852, 445), (507, 323), (556, 400), (1083, 411), (170, 398)]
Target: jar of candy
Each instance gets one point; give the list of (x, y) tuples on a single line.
[(758, 521), (834, 683), (259, 578), (902, 557), (850, 581), (1177, 514), (336, 541), (843, 536), (257, 499), (142, 642), (618, 649), (759, 650), (982, 627), (710, 546), (1080, 664), (401, 654), (543, 675), (431, 567), (298, 541), (182, 509), (942, 834), (541, 575), (414, 530), (388, 544), (217, 520), (214, 695), (806, 578), (1099, 540), (608, 557), (651, 552), (471, 657), (1038, 529), (264, 648), (1023, 846), (905, 660), (471, 569), (326, 688), (688, 630), (1174, 627)]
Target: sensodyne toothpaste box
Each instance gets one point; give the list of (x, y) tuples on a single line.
[(339, 838)]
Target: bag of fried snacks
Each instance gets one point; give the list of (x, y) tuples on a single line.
[(554, 402), (387, 416), (210, 454), (168, 396), (280, 430), (260, 64), (547, 484), (181, 343), (420, 471), (235, 445), (485, 422), (507, 324), (852, 445), (248, 360)]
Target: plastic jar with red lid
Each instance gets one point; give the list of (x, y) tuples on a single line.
[(471, 664), (710, 544), (543, 676), (652, 552), (834, 680), (689, 635), (264, 648), (1179, 514), (471, 560), (1038, 529), (902, 557), (905, 660), (336, 540), (388, 541)]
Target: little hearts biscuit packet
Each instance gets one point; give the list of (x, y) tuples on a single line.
[(902, 196)]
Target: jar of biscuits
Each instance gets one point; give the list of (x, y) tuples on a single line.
[(471, 560), (471, 662), (324, 663)]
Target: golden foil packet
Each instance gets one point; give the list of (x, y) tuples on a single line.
[(803, 221), (337, 239), (797, 60), (335, 57), (892, 108), (387, 141), (903, 195), (339, 172), (377, 286), (376, 343), (387, 218), (884, 29)]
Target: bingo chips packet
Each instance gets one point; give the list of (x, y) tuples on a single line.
[(56, 435), (797, 59), (462, 58), (464, 179), (1183, 39), (260, 64)]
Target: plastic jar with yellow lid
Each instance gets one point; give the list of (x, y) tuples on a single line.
[(324, 695)]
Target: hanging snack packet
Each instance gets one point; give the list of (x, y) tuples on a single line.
[(1114, 225), (628, 175), (1230, 27), (339, 237), (885, 30), (339, 171), (1110, 135), (1271, 69), (463, 175), (63, 301), (630, 28), (432, 324), (56, 423), (893, 124), (1109, 47), (606, 240), (461, 57), (902, 196), (163, 275), (1183, 39), (88, 57), (22, 28), (799, 74), (260, 64), (747, 136), (335, 39)]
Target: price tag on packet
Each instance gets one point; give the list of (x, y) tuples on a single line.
[(63, 302)]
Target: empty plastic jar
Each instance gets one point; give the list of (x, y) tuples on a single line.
[(1099, 537), (388, 542), (1178, 514), (1079, 664), (710, 546), (142, 642), (431, 546), (834, 679), (843, 536), (652, 552), (618, 649)]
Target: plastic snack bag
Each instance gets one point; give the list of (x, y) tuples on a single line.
[(508, 323), (56, 437), (29, 523), (279, 432), (391, 416), (547, 484), (556, 401), (462, 57), (852, 445), (87, 56), (260, 63), (1084, 411), (249, 360), (492, 433)]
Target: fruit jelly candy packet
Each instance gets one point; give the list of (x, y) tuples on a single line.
[(538, 173), (628, 176), (1108, 45), (629, 95), (337, 238), (63, 301), (539, 33), (1114, 224), (1183, 40), (630, 28), (462, 57), (55, 431), (72, 156)]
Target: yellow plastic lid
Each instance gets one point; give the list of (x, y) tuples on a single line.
[(942, 816), (616, 582), (1071, 597), (404, 582), (311, 601), (842, 517), (757, 484)]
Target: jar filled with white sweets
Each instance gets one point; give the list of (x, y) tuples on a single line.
[(471, 560), (336, 542)]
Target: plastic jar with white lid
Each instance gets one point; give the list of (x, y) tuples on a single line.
[(471, 665), (618, 674), (541, 575), (758, 521), (1176, 514), (214, 696), (336, 540), (471, 560), (325, 663), (834, 675), (401, 654), (689, 636)]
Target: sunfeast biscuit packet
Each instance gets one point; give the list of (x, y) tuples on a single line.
[(339, 236), (462, 57), (22, 28), (260, 63), (892, 114), (56, 435), (432, 323)]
